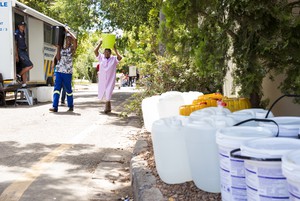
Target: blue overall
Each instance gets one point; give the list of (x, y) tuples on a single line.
[(64, 71), (63, 79)]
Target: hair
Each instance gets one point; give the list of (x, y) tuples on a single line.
[(107, 49)]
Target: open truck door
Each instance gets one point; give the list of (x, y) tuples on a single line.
[(39, 42)]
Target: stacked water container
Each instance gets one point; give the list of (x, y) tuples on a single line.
[(185, 148), (288, 126), (205, 147), (169, 148), (165, 105), (202, 149)]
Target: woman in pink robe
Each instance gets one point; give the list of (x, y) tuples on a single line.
[(107, 74)]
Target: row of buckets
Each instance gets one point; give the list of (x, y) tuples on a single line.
[(257, 160)]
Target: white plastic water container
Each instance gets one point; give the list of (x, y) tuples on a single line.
[(44, 94), (239, 117), (170, 151), (232, 175), (288, 126), (150, 111), (264, 177), (200, 137), (188, 97), (208, 111), (245, 114), (291, 170), (256, 112), (169, 104)]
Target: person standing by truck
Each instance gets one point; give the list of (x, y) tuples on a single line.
[(63, 91), (64, 71), (22, 54)]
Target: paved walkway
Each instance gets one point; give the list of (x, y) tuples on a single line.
[(64, 156)]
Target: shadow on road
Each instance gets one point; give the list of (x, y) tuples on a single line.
[(109, 167)]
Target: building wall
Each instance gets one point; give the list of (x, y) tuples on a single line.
[(286, 106)]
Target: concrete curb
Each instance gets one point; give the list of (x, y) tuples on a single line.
[(142, 180)]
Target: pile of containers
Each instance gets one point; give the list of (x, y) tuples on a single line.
[(185, 148), (242, 162)]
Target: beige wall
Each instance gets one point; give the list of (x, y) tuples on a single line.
[(285, 107)]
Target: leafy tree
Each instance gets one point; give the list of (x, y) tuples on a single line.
[(80, 15), (265, 39), (203, 45), (86, 58), (129, 15), (261, 36), (264, 36)]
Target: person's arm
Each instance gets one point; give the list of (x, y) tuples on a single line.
[(16, 47), (119, 57), (74, 42), (53, 64), (74, 46), (96, 50), (16, 53), (58, 56)]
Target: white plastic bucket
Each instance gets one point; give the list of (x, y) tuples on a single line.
[(291, 170), (256, 112), (232, 176), (44, 94), (170, 150), (288, 126), (239, 117), (264, 177)]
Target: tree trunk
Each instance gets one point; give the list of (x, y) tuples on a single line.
[(255, 100)]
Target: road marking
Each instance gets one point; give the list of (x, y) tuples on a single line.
[(16, 190)]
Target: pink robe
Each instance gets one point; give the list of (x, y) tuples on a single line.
[(106, 76)]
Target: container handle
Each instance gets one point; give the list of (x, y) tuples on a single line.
[(239, 156), (261, 120), (285, 95)]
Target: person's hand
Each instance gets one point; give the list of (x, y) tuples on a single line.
[(17, 58), (100, 40)]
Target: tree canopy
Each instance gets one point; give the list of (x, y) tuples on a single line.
[(260, 36)]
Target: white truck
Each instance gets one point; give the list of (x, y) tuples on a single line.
[(38, 36)]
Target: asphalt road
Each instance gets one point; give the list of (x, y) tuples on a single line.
[(67, 156)]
